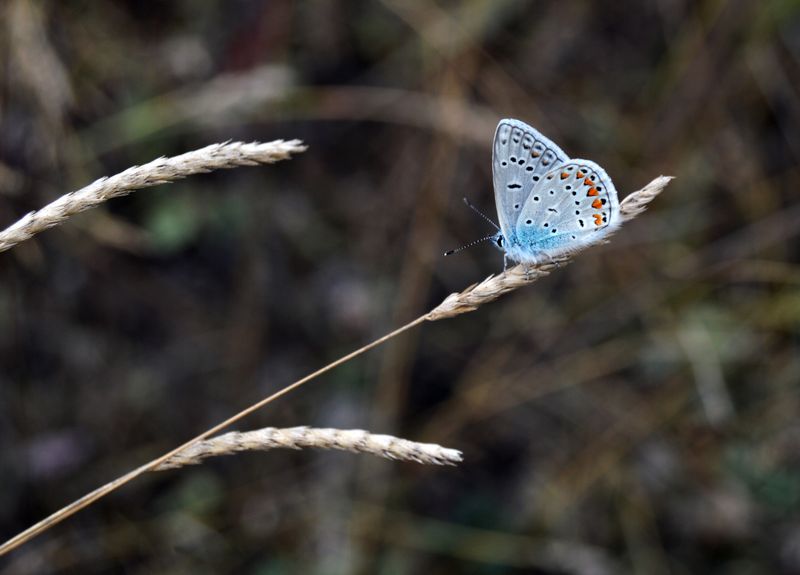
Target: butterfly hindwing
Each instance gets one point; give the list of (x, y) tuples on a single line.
[(572, 205), (521, 157)]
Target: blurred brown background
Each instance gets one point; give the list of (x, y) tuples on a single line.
[(636, 412)]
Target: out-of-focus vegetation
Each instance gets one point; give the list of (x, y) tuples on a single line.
[(638, 411)]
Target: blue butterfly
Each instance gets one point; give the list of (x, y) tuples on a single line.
[(548, 204)]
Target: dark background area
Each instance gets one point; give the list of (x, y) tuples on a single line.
[(635, 412)]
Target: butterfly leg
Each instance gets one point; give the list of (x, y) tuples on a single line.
[(550, 260)]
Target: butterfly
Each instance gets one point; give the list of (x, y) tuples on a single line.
[(548, 204)]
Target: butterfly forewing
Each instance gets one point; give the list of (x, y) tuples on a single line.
[(520, 159)]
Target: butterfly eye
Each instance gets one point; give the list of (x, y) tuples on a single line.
[(499, 241)]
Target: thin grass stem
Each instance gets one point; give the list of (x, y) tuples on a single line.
[(465, 301)]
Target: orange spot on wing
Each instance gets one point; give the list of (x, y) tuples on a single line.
[(588, 182), (593, 192), (597, 204), (598, 219), (564, 175), (535, 154), (579, 175)]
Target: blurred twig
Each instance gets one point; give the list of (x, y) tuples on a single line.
[(226, 96), (36, 62)]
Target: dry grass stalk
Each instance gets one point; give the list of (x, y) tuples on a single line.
[(495, 286), (159, 171), (468, 300), (355, 440)]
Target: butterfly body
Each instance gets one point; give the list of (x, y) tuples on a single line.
[(548, 204)]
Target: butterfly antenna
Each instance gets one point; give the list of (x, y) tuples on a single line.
[(481, 214), (469, 245)]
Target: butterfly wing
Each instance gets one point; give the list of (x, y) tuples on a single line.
[(520, 158), (572, 205)]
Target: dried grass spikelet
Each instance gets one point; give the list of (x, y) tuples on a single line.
[(495, 286), (159, 171), (355, 440)]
